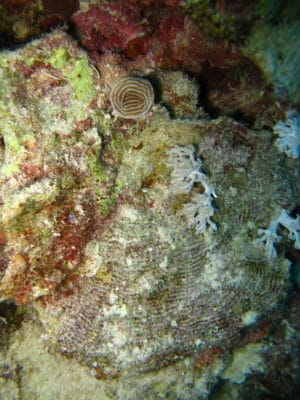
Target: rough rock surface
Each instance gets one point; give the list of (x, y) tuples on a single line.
[(96, 255)]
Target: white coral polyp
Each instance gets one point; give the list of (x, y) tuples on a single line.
[(289, 136), (270, 236), (185, 169), (198, 213), (186, 172)]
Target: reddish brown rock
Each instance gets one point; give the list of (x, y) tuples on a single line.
[(113, 27), (241, 91), (163, 36)]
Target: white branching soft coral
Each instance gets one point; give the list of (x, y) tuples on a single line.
[(198, 213), (186, 172), (185, 169), (270, 235), (289, 136)]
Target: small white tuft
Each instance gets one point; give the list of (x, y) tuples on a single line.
[(289, 136), (186, 172), (270, 237)]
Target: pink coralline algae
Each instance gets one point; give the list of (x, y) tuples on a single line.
[(166, 36), (113, 27), (162, 35), (180, 44)]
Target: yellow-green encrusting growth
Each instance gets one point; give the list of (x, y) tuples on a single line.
[(81, 81), (59, 58), (79, 73)]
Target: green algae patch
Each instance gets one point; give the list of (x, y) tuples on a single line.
[(82, 82), (3, 61), (118, 146), (12, 142), (97, 170), (14, 146), (106, 204), (59, 58), (105, 189)]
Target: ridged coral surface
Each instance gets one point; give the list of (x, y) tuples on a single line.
[(168, 294)]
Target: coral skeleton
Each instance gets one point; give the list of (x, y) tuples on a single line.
[(270, 235), (289, 136), (186, 172)]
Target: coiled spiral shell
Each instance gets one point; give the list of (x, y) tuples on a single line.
[(132, 97)]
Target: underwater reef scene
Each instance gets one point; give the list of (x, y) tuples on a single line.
[(149, 200)]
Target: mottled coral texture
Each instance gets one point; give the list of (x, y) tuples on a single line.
[(113, 275)]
